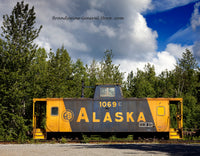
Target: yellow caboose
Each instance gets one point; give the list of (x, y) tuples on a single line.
[(108, 112)]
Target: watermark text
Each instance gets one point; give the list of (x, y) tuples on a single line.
[(72, 18)]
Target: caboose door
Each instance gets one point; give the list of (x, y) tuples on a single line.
[(162, 116), (39, 118), (39, 114), (176, 118), (53, 117)]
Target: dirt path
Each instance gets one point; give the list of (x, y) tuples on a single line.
[(98, 149)]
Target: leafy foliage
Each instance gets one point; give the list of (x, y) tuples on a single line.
[(143, 84), (17, 53), (59, 74), (108, 72)]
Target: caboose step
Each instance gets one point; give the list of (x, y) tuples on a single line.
[(174, 134), (175, 137), (38, 134), (173, 130), (38, 130)]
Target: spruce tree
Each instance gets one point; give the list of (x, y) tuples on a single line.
[(108, 72), (186, 84), (79, 75), (143, 83), (18, 51), (59, 74)]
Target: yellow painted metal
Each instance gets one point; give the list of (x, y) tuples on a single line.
[(39, 134), (160, 112), (178, 133), (180, 118), (175, 137), (174, 134), (160, 106), (159, 109), (34, 125), (56, 123), (52, 121), (64, 123)]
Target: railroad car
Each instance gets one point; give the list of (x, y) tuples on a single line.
[(107, 112)]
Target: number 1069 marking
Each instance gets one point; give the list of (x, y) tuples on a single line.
[(108, 104)]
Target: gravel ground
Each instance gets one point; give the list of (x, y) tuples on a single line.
[(98, 149)]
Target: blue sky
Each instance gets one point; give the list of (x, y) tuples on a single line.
[(150, 31), (168, 22)]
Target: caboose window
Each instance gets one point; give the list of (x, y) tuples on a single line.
[(54, 111), (160, 110), (107, 92)]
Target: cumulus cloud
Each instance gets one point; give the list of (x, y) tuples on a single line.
[(177, 50), (129, 38), (136, 41), (93, 12), (133, 43), (102, 30), (164, 60)]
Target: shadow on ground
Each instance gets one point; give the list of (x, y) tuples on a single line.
[(169, 149)]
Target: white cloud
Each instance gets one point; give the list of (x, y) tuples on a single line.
[(134, 44), (107, 30), (124, 37), (96, 3), (126, 66), (101, 30), (93, 12), (162, 60), (43, 43), (195, 19), (181, 34), (196, 50), (130, 38), (55, 39), (177, 50), (163, 5), (189, 34), (136, 40)]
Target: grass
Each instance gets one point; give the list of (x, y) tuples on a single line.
[(63, 140), (87, 139), (193, 138)]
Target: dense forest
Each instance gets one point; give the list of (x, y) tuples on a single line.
[(28, 71)]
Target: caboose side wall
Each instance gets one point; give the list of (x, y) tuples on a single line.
[(88, 115), (122, 115)]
